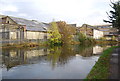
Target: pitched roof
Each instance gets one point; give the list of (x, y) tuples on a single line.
[(31, 25), (89, 26), (104, 25)]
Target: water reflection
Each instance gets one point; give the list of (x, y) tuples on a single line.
[(54, 56), (12, 58), (97, 49)]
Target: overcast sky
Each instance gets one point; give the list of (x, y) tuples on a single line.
[(72, 11)]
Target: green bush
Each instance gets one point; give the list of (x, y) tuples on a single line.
[(85, 40), (55, 36)]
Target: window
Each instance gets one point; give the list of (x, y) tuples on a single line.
[(8, 22)]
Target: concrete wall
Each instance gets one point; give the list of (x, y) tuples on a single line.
[(34, 35), (97, 34), (13, 35)]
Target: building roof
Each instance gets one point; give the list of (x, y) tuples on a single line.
[(89, 26), (31, 25), (103, 26), (109, 29)]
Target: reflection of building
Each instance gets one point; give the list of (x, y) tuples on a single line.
[(56, 56), (97, 50), (87, 52), (17, 57)]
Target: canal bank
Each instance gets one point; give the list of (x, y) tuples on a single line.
[(46, 43), (23, 45), (104, 68)]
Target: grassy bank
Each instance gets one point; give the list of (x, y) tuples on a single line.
[(101, 69)]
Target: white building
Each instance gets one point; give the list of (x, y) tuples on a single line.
[(97, 34)]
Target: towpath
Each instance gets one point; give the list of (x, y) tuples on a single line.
[(114, 65)]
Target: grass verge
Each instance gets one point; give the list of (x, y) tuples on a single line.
[(101, 69)]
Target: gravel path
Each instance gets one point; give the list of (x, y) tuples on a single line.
[(114, 65)]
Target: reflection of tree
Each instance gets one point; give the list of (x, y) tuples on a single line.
[(85, 50), (54, 55), (67, 53), (60, 55)]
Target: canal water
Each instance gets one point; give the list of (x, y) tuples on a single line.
[(66, 62)]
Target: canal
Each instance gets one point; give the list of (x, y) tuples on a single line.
[(66, 62)]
